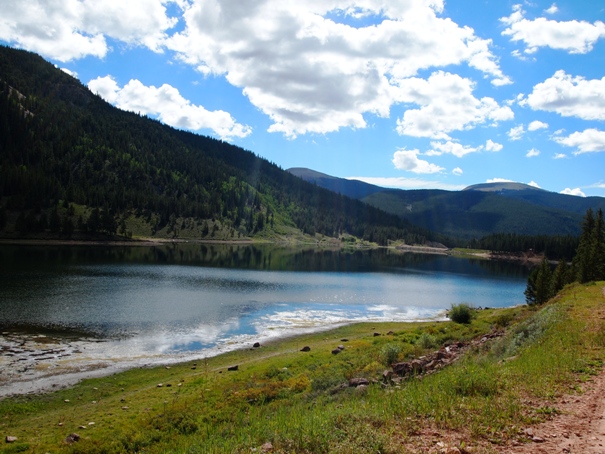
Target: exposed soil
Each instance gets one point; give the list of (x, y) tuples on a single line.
[(579, 426)]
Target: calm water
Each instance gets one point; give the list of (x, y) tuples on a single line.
[(183, 299)]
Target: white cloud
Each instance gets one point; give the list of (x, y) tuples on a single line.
[(532, 153), (536, 124), (559, 156), (577, 192), (447, 104), (587, 141), (168, 105), (457, 171), (70, 29), (309, 72), (499, 180), (598, 185), (451, 147), (516, 133), (70, 72), (534, 184), (570, 96), (576, 37), (552, 10), (490, 145), (408, 183), (408, 160)]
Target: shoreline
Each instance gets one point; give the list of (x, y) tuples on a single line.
[(34, 370)]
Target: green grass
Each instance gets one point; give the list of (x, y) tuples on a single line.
[(294, 399)]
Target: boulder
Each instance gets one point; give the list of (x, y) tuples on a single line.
[(10, 439), (355, 382), (256, 345), (336, 351), (306, 348), (72, 438), (233, 368)]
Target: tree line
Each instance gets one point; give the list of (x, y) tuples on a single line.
[(587, 265)]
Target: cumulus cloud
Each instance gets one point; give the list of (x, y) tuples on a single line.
[(70, 29), (552, 10), (570, 96), (532, 153), (310, 72), (408, 160), (587, 141), (534, 184), (451, 147), (516, 132), (168, 105), (447, 104), (457, 171), (490, 145), (576, 37), (499, 180), (577, 192), (559, 156), (535, 125)]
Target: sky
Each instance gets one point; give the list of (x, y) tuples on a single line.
[(412, 94)]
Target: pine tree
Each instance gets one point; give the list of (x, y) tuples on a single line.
[(539, 285)]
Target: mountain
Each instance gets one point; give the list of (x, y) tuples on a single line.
[(351, 188), (476, 211), (72, 165)]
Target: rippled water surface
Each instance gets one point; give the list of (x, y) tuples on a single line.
[(191, 298)]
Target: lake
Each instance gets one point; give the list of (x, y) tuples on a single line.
[(177, 301)]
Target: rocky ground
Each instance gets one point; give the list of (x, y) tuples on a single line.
[(37, 362)]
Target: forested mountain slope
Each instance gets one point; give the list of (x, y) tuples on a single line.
[(71, 164), (477, 211)]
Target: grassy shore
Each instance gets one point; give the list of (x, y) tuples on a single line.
[(284, 400)]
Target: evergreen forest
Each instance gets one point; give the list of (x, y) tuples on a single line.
[(73, 165)]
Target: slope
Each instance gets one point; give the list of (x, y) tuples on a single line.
[(72, 164)]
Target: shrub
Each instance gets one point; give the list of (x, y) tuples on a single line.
[(390, 354), (426, 341), (461, 313)]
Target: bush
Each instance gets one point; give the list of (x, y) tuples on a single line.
[(461, 313), (390, 354), (426, 341)]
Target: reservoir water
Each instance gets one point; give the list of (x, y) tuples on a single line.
[(187, 300)]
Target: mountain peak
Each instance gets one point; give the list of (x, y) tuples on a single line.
[(501, 186)]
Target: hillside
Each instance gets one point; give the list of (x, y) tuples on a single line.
[(476, 211), (72, 165)]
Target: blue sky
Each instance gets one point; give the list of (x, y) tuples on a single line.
[(410, 94)]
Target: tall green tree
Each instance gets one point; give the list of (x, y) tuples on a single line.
[(589, 261), (539, 285)]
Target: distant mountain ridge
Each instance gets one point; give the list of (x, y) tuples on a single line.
[(476, 211)]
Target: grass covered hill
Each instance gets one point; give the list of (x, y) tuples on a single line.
[(72, 164)]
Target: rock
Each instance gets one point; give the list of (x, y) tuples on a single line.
[(390, 333), (233, 368), (355, 382), (376, 334), (160, 385), (538, 440), (336, 351), (10, 439), (344, 340), (306, 348), (267, 447), (72, 438), (529, 432), (387, 376), (256, 345), (341, 347)]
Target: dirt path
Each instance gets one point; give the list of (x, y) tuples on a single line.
[(578, 428)]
